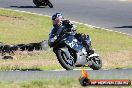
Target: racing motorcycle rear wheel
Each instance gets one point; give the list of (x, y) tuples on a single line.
[(66, 62), (37, 3)]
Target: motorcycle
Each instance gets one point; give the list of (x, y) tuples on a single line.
[(39, 3), (71, 53)]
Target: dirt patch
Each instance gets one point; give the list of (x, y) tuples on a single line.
[(6, 18), (29, 61), (25, 59), (3, 18), (121, 59), (27, 53), (24, 53)]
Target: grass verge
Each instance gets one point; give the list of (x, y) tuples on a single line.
[(115, 49), (58, 83)]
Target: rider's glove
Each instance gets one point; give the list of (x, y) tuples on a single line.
[(51, 41)]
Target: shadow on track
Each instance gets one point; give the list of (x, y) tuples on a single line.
[(25, 7), (124, 27)]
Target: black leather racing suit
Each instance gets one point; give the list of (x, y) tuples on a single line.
[(58, 30), (66, 24)]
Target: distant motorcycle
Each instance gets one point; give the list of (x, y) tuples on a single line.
[(71, 53), (39, 3)]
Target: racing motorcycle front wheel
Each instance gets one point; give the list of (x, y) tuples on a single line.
[(65, 58), (50, 4)]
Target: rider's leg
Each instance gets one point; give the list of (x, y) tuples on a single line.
[(85, 41), (87, 44)]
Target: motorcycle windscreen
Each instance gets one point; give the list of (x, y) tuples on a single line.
[(74, 43)]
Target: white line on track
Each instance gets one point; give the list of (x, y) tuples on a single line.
[(72, 21), (123, 0)]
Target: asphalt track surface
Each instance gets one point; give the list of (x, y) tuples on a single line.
[(41, 75), (112, 14)]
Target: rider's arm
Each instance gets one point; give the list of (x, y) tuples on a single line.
[(55, 33), (52, 37)]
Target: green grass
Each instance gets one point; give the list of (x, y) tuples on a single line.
[(107, 41), (115, 49), (23, 28), (54, 83)]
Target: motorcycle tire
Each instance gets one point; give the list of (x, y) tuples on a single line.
[(96, 64), (50, 4), (61, 56), (37, 3)]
